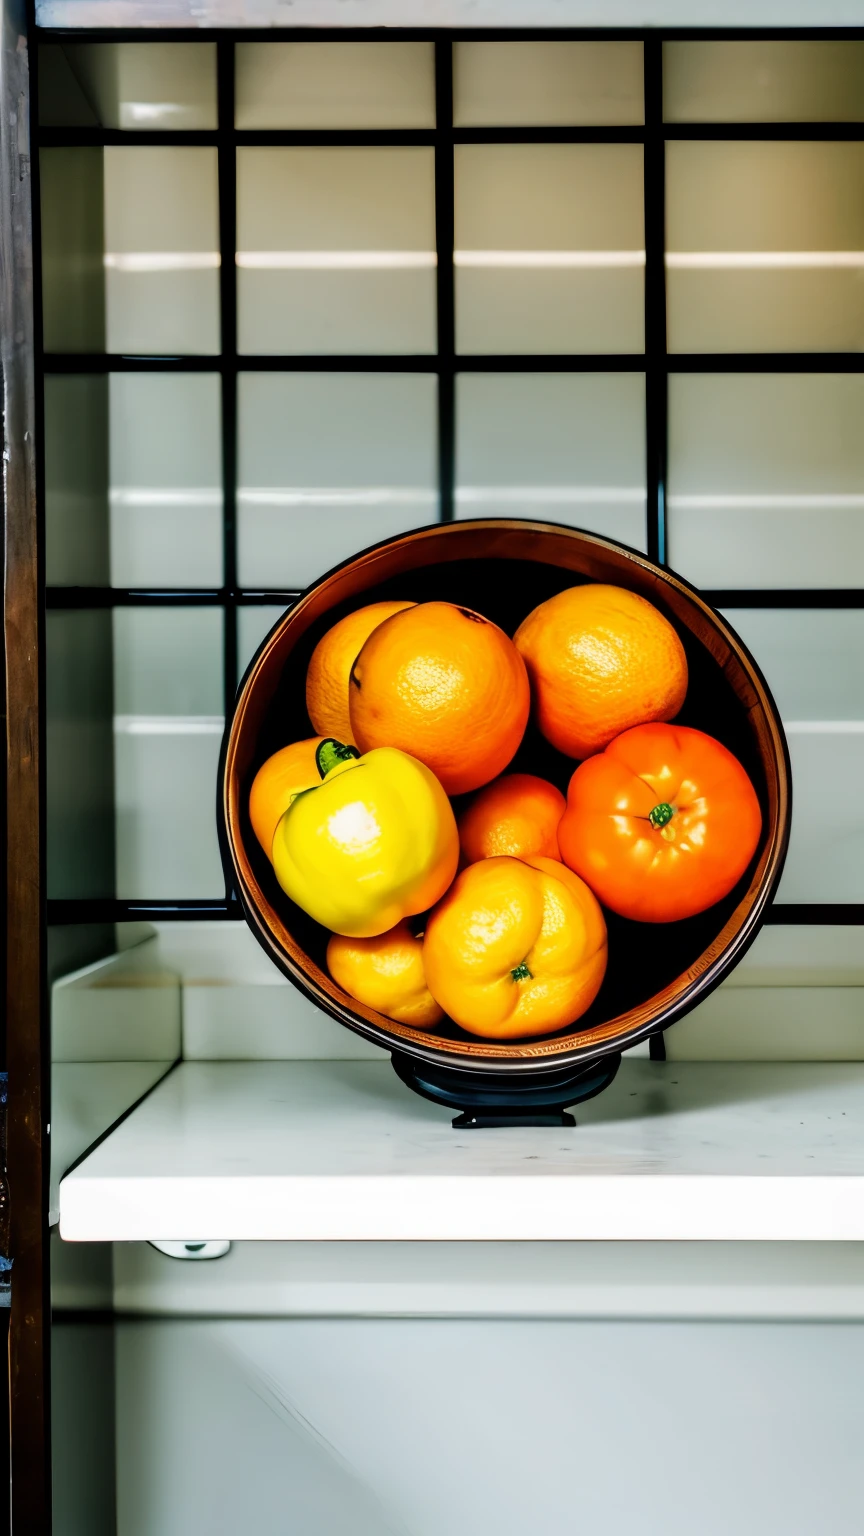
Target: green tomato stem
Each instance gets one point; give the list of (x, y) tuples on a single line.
[(660, 815), (521, 973)]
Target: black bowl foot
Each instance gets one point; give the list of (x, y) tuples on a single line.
[(523, 1098)]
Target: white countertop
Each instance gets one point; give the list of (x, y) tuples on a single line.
[(342, 1151)]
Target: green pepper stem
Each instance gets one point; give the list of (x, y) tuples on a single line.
[(661, 814), (330, 752), (521, 972)]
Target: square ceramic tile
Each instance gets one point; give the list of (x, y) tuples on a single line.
[(538, 83), (166, 480), (334, 85), (559, 447), (766, 479), (161, 249), (765, 246), (133, 86), (336, 250), (763, 81), (549, 248), (329, 464)]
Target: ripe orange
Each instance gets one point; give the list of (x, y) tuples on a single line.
[(330, 668), (517, 815), (386, 973), (282, 776), (601, 659), (446, 685)]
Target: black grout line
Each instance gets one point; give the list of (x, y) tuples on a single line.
[(494, 362), (784, 597), (445, 34), (202, 597), (276, 138), (228, 325), (445, 277), (62, 912), (656, 378)]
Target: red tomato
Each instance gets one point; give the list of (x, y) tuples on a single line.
[(660, 825)]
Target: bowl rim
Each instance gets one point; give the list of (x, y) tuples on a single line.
[(639, 1023)]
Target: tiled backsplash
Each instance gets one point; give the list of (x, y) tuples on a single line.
[(342, 255)]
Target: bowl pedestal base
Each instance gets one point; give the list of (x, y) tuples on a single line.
[(521, 1098)]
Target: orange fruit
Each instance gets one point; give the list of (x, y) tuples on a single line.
[(276, 782), (601, 659), (445, 685), (330, 668), (386, 973), (516, 948), (518, 814)]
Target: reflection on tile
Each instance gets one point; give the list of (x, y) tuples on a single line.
[(161, 249), (549, 248), (166, 492), (336, 250), (71, 196), (559, 447), (826, 851), (330, 463), (254, 623), (765, 246), (763, 81), (535, 83), (78, 750), (145, 85), (168, 661), (334, 85), (166, 808), (168, 702), (76, 480), (766, 479), (812, 658)]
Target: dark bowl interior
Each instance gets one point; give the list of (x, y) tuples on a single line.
[(504, 569)]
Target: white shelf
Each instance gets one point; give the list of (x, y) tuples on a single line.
[(341, 1151)]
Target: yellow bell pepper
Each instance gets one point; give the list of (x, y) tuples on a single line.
[(372, 844)]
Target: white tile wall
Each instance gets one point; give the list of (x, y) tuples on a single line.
[(168, 661), (330, 463), (812, 658), (161, 249), (766, 479), (166, 480), (253, 623), (556, 83), (564, 447), (168, 702), (334, 85), (336, 250), (549, 245), (826, 851), (765, 246), (763, 81), (166, 809), (814, 663)]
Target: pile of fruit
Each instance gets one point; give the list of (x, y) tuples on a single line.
[(419, 702)]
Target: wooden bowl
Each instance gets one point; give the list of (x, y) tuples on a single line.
[(504, 568)]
